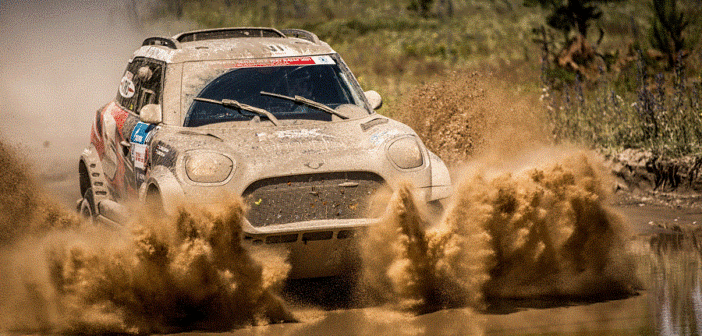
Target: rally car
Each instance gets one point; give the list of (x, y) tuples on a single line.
[(273, 116)]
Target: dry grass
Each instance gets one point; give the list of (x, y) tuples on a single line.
[(396, 52), (468, 113)]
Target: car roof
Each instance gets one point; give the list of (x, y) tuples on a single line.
[(233, 43)]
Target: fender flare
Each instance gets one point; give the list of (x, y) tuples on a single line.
[(92, 176), (168, 187)]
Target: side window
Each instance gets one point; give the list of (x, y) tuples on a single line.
[(141, 84)]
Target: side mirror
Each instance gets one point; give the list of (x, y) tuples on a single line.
[(151, 114), (374, 98)]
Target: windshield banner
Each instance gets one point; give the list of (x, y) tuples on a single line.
[(287, 61)]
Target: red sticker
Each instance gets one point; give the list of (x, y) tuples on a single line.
[(272, 62)]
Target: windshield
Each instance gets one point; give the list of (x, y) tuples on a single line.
[(317, 78)]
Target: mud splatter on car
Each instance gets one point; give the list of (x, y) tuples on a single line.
[(275, 117)]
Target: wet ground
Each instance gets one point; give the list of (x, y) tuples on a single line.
[(51, 134), (668, 304), (665, 239)]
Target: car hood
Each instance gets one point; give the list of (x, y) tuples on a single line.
[(350, 145), (320, 138)]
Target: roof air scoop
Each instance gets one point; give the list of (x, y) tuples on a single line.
[(161, 41), (227, 33), (301, 34)]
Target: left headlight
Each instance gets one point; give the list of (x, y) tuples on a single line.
[(208, 167), (405, 153)]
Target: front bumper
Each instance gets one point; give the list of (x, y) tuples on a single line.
[(315, 248)]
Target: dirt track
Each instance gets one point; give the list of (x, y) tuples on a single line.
[(642, 313), (48, 99), (324, 307)]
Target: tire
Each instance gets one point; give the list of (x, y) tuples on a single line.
[(87, 206), (154, 203)]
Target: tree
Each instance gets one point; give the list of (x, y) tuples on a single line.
[(573, 16), (421, 6), (668, 29), (568, 15)]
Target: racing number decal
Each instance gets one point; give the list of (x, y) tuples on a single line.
[(141, 136)]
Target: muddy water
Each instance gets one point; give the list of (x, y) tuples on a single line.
[(675, 280), (536, 231), (527, 245), (190, 271), (510, 241)]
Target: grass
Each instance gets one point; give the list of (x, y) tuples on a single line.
[(395, 51), (389, 48), (661, 112)]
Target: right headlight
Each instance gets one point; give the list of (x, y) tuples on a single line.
[(208, 167), (405, 153)]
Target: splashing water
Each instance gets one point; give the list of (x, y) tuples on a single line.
[(182, 273), (539, 231), (551, 233), (420, 268)]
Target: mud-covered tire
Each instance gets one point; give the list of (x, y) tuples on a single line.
[(154, 202), (87, 205)]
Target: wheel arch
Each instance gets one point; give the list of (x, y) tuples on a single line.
[(91, 175), (83, 176), (162, 181)]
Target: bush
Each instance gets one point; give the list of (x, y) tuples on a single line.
[(668, 28), (661, 114)]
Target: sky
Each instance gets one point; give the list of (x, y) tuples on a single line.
[(59, 63)]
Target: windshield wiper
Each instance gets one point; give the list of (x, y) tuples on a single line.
[(308, 102), (230, 103)]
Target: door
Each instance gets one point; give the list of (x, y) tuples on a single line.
[(127, 138)]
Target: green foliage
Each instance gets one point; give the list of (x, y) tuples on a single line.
[(661, 113), (559, 77), (421, 6), (393, 50), (668, 27), (568, 15), (390, 49)]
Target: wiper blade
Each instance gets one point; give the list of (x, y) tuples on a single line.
[(308, 102), (230, 103)]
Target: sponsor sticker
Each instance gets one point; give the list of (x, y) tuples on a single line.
[(278, 50), (162, 151), (294, 134), (141, 132), (140, 136), (284, 61), (126, 85), (139, 156), (323, 60), (379, 137)]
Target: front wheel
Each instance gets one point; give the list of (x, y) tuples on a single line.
[(87, 206), (154, 203)]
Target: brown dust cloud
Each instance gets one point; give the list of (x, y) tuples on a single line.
[(188, 272), (526, 223), (527, 219), (60, 62)]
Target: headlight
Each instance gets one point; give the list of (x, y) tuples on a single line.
[(208, 167), (405, 153)]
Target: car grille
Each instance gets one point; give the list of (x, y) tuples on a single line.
[(289, 199)]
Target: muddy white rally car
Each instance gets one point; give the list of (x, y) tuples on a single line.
[(272, 115)]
